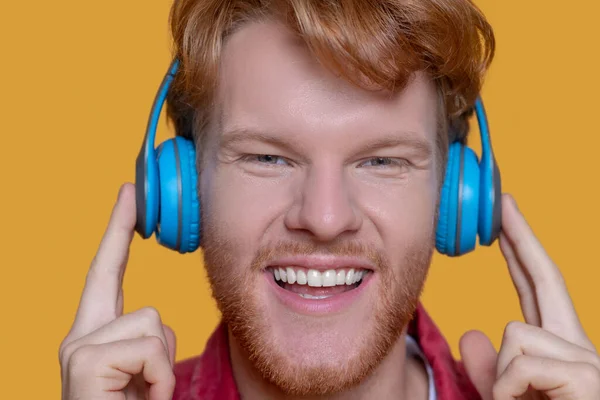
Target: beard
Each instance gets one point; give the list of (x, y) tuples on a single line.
[(234, 289)]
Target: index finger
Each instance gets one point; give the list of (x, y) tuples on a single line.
[(557, 313), (100, 297)]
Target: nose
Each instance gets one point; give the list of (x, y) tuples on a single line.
[(324, 207)]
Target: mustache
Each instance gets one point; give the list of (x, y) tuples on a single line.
[(287, 248)]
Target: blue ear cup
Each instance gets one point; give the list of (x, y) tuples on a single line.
[(490, 217), (166, 184), (179, 217), (470, 204)]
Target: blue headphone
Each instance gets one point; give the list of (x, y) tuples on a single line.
[(167, 189)]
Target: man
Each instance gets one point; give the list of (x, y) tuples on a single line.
[(322, 130)]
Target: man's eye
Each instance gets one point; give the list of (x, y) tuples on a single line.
[(383, 162), (269, 159)]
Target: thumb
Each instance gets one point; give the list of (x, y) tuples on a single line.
[(479, 358)]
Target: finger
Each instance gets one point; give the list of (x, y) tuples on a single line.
[(479, 359), (522, 283), (110, 367), (171, 343), (523, 339), (100, 298), (556, 309), (145, 322), (120, 303), (559, 380)]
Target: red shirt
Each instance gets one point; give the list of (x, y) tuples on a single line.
[(210, 377)]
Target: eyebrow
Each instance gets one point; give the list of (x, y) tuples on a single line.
[(400, 139), (240, 135), (409, 139)]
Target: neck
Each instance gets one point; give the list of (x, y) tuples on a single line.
[(397, 377)]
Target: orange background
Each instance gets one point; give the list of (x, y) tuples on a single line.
[(78, 79)]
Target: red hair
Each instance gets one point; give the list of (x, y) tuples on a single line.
[(371, 43)]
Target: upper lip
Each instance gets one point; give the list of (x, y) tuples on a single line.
[(322, 262)]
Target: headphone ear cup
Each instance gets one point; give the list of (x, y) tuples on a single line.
[(470, 199), (445, 237), (468, 204), (168, 218), (190, 237), (179, 216), (146, 193), (490, 201)]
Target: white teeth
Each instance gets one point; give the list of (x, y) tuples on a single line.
[(328, 278), (350, 277), (309, 296), (340, 278), (291, 275), (357, 276), (315, 278), (301, 278)]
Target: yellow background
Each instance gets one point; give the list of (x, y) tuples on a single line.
[(77, 80)]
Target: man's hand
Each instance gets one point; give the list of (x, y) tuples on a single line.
[(547, 357), (108, 355)]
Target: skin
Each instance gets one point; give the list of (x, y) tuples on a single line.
[(323, 191)]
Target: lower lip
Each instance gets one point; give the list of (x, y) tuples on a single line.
[(333, 304)]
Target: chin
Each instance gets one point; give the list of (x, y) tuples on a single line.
[(318, 346), (321, 331)]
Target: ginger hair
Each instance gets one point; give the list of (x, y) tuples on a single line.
[(375, 44)]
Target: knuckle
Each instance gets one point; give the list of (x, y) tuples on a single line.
[(65, 351), (498, 390), (81, 361), (517, 365), (154, 344), (514, 330), (150, 315)]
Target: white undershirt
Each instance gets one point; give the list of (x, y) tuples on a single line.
[(413, 350)]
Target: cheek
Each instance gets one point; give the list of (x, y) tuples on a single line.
[(404, 214), (241, 208)]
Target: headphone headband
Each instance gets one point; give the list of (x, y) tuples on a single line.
[(484, 130), (147, 191), (159, 101)]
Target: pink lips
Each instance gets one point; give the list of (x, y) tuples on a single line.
[(333, 304)]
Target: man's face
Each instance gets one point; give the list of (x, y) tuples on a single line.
[(308, 174)]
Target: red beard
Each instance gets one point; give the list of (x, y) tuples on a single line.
[(232, 286)]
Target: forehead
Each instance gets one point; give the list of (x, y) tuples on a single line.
[(270, 80)]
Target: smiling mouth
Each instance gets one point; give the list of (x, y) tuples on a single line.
[(318, 285)]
